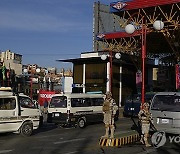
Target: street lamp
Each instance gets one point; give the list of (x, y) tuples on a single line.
[(130, 28), (104, 57), (31, 79)]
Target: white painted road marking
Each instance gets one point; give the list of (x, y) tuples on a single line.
[(71, 152), (73, 140), (47, 136), (5, 151)]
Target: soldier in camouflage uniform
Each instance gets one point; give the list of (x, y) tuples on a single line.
[(109, 110), (145, 118)]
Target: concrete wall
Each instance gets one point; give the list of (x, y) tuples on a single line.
[(16, 67)]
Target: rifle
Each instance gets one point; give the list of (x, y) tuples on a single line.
[(152, 126), (137, 126)]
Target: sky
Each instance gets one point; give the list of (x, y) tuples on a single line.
[(46, 30)]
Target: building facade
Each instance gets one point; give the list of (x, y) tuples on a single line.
[(12, 61), (92, 74)]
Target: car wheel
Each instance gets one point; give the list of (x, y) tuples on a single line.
[(26, 129), (81, 123)]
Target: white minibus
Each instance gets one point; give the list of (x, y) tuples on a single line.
[(165, 109), (75, 109), (18, 113)]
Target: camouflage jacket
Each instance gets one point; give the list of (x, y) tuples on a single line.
[(145, 116), (109, 106)]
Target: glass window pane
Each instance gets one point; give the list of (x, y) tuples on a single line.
[(59, 102), (25, 102), (97, 101), (80, 102), (7, 103)]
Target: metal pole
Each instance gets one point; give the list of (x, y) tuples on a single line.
[(108, 76), (49, 84), (143, 59), (31, 87), (111, 75), (120, 87), (84, 78)]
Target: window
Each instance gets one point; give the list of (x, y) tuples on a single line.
[(59, 102), (7, 103), (166, 103), (80, 102), (97, 101), (26, 102)]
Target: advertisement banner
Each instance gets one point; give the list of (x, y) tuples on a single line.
[(138, 81), (45, 96), (138, 78), (177, 76)]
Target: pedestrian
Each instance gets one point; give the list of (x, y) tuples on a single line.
[(45, 103), (145, 118), (109, 110)]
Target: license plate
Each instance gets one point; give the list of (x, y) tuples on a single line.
[(157, 120), (165, 121), (56, 114)]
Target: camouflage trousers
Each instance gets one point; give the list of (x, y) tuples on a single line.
[(108, 119), (145, 128)]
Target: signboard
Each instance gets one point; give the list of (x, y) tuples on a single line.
[(177, 76), (138, 81), (78, 85), (138, 78), (45, 96), (155, 73), (117, 6)]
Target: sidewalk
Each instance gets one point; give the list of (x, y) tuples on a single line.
[(123, 134)]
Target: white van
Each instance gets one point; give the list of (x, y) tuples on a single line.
[(77, 109), (165, 109), (18, 113)]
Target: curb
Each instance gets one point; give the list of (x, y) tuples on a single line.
[(117, 142)]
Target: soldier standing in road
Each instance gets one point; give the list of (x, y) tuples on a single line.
[(145, 118), (109, 110)]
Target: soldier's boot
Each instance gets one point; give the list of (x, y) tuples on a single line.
[(112, 131), (107, 132), (146, 140), (142, 139)]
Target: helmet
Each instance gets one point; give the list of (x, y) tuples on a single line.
[(108, 93), (146, 105)]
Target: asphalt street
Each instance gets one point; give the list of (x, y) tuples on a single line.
[(51, 139)]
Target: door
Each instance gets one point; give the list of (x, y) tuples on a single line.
[(29, 110), (81, 107)]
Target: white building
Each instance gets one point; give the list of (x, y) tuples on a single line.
[(12, 61)]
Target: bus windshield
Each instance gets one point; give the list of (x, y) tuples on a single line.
[(58, 102), (166, 103)]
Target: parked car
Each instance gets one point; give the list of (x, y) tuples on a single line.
[(165, 109), (133, 103)]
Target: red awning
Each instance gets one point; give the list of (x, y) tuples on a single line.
[(115, 35), (137, 4)]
